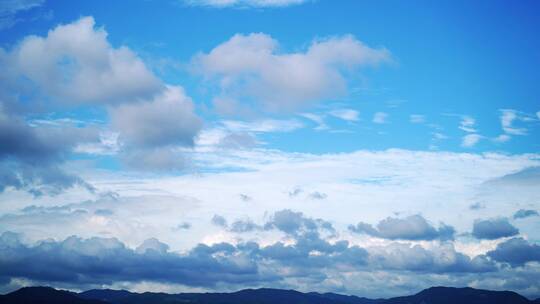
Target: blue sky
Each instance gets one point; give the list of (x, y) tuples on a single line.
[(384, 141)]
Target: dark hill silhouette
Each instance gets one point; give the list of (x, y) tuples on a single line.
[(434, 295), (108, 295), (45, 295), (449, 295)]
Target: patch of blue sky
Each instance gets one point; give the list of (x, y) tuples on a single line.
[(458, 58)]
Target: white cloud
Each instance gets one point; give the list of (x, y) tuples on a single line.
[(507, 119), (235, 134), (346, 114), (502, 138), (377, 183), (244, 3), (266, 125), (252, 67), (10, 8), (470, 140), (76, 63), (538, 114), (416, 118), (380, 118), (319, 119), (467, 124)]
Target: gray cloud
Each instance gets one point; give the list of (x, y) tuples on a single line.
[(477, 206), (244, 226), (292, 223), (529, 176), (491, 229), (30, 156), (238, 140), (245, 197), (414, 227), (318, 195), (168, 119), (522, 213), (295, 223), (516, 252), (96, 261), (219, 220), (104, 261), (183, 226), (442, 259)]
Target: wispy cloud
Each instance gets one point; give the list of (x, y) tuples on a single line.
[(244, 3), (346, 114), (467, 124), (10, 8), (380, 118), (508, 117), (318, 119), (417, 118), (470, 140)]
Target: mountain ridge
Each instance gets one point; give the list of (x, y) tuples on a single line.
[(432, 295)]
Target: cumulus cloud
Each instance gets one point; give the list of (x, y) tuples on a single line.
[(295, 223), (240, 226), (523, 213), (104, 261), (442, 259), (414, 227), (492, 229), (76, 63), (168, 119), (150, 130), (252, 67), (244, 3), (516, 252)]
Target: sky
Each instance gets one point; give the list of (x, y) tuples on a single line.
[(373, 148)]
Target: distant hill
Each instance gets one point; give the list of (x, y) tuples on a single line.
[(448, 295), (45, 295), (434, 295)]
